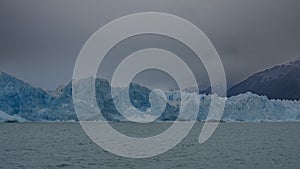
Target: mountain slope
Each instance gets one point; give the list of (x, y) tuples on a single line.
[(279, 82)]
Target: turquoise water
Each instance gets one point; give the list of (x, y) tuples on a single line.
[(233, 145)]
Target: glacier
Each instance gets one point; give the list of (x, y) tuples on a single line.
[(8, 118), (248, 107), (20, 102)]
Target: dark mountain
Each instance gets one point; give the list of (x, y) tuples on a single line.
[(279, 82)]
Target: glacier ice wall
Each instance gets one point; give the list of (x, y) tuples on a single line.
[(21, 100)]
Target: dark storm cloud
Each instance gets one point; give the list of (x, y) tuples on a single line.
[(40, 40)]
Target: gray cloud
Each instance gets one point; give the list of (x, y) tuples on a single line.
[(40, 40)]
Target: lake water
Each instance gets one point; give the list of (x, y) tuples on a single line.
[(233, 145)]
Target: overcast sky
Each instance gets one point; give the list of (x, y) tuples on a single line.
[(40, 39)]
